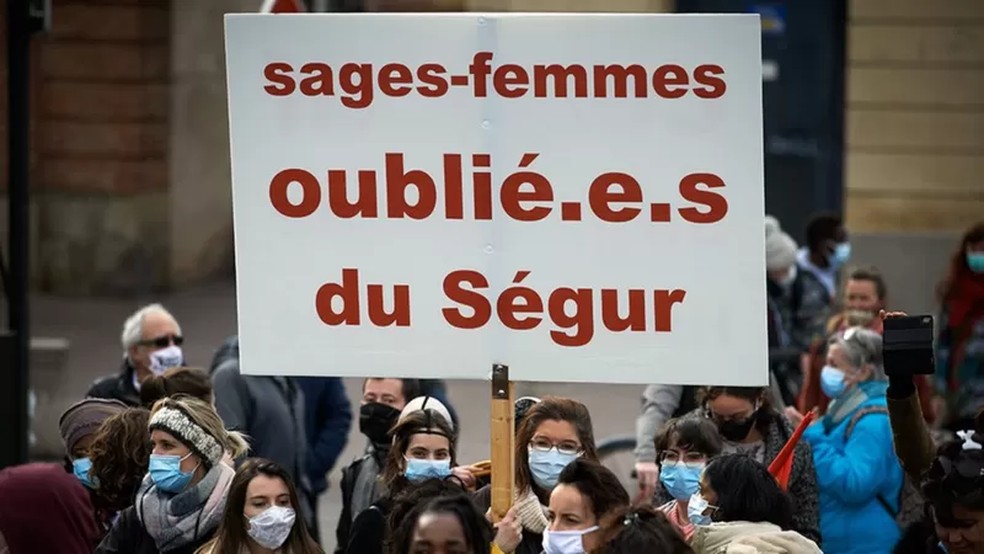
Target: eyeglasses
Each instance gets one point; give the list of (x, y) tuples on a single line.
[(690, 458), (544, 445), (163, 341)]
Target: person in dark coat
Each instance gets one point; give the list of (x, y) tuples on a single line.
[(327, 419), (422, 449), (151, 341), (45, 509), (382, 401), (270, 411)]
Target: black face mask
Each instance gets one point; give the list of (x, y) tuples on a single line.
[(375, 422), (736, 431)]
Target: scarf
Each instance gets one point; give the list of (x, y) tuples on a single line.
[(845, 406), (531, 513), (176, 520)]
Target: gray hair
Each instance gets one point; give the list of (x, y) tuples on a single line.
[(862, 347), (133, 327)]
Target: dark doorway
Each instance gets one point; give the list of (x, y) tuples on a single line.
[(803, 53)]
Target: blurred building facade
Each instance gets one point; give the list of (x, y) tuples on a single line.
[(130, 145)]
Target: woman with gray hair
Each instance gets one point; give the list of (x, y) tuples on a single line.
[(859, 477)]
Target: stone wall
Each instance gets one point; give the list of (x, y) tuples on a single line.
[(915, 115), (100, 132)]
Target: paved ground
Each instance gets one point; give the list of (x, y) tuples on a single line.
[(208, 315)]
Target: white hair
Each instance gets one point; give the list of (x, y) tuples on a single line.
[(133, 327), (862, 347)]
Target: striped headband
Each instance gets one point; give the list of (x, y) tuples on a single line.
[(178, 423)]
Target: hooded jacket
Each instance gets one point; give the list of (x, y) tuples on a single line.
[(744, 537)]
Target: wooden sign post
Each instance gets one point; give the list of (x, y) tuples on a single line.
[(503, 439)]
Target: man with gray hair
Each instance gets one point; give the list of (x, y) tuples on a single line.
[(151, 341)]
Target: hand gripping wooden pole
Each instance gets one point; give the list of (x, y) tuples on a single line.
[(503, 438)]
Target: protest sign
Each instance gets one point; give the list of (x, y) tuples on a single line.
[(577, 196)]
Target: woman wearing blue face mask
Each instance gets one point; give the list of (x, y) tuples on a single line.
[(179, 504), (79, 425), (555, 432), (422, 450), (739, 507), (858, 474), (683, 448)]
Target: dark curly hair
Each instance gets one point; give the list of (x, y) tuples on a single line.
[(955, 479), (640, 529), (477, 530), (120, 453)]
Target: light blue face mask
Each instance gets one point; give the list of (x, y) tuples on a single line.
[(166, 472), (975, 261), (80, 468), (841, 254), (832, 381), (545, 466), (680, 480), (696, 508), (421, 470)]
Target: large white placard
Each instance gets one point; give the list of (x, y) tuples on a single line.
[(579, 197)]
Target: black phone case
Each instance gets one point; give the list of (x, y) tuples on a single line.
[(907, 346)]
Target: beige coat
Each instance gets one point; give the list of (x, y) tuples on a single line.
[(743, 537)]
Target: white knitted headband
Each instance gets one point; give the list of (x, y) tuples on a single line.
[(188, 432)]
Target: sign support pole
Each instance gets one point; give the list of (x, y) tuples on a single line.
[(503, 439)]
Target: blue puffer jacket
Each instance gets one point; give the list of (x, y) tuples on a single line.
[(853, 474)]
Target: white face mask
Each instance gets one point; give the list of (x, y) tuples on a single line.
[(270, 528), (165, 358), (565, 542)]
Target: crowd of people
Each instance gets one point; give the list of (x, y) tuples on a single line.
[(840, 454)]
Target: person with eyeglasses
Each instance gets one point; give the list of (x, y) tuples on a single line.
[(683, 447), (555, 432), (151, 341), (749, 424)]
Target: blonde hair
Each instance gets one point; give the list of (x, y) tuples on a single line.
[(203, 415)]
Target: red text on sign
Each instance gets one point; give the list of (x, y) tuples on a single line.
[(356, 84), (524, 195), (571, 311)]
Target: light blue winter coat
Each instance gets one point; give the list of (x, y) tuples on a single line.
[(853, 473)]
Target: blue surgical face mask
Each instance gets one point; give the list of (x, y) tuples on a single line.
[(832, 381), (975, 261), (696, 508), (80, 468), (841, 254), (421, 470), (680, 480), (166, 472), (546, 466)]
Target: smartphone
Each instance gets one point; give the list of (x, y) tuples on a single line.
[(907, 345)]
